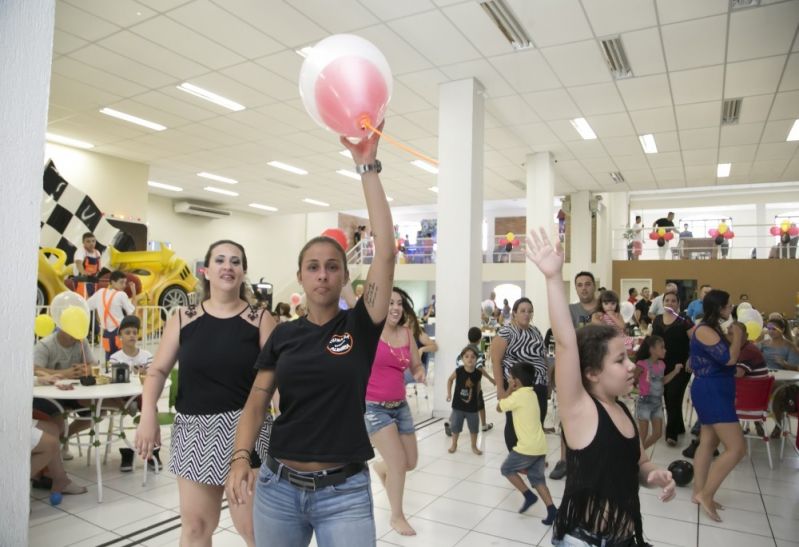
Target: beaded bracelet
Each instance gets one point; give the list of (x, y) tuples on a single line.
[(240, 450), (241, 458)]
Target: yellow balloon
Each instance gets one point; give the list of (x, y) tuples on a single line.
[(723, 228), (75, 322), (753, 330), (510, 236), (785, 226), (43, 325), (661, 232)]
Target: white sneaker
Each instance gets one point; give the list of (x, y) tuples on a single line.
[(66, 455)]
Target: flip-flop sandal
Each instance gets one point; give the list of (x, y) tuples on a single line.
[(73, 490)]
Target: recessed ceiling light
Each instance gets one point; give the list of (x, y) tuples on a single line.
[(433, 189), (162, 186), (60, 139), (723, 170), (346, 153), (351, 174), (424, 166), (583, 128), (793, 134), (132, 119), (287, 167), (220, 191), (648, 143), (263, 207), (303, 51), (210, 96), (316, 202), (218, 178)]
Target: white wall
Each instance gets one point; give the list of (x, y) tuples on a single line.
[(272, 242), (117, 186), (26, 44)]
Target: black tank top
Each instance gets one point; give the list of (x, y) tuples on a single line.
[(217, 359), (601, 494)]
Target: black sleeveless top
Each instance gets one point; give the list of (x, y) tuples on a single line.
[(216, 359), (601, 494)]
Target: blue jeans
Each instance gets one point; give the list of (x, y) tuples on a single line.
[(285, 515)]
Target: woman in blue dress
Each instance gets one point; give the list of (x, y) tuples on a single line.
[(713, 359)]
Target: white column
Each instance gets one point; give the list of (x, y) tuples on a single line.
[(460, 216), (26, 45), (540, 200), (580, 237), (612, 218)]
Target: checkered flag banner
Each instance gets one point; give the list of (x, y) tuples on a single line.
[(68, 213)]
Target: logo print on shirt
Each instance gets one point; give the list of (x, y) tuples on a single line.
[(340, 344)]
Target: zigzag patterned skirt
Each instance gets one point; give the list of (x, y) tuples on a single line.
[(202, 445)]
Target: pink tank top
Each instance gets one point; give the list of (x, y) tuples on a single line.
[(387, 382)]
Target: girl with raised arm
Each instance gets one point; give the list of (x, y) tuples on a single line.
[(605, 459), (315, 479)]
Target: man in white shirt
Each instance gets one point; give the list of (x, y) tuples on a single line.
[(112, 305)]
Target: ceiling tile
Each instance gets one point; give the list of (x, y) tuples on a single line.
[(96, 78), (389, 9), (636, 177), (768, 171), (257, 77), (78, 96), (645, 92), (753, 77), (564, 130), (786, 105), (228, 87), (700, 174), (147, 53), (425, 83), (550, 23), (587, 149), (764, 31), (611, 125), (526, 71), (124, 67), (347, 16), (120, 12), (281, 21), (790, 78), (691, 116), (706, 156), (633, 162), (80, 23), (664, 160), (644, 51), (403, 100), (56, 113), (655, 120), (511, 110), (671, 11), (697, 85), (401, 56), (495, 85), (435, 37), (696, 43), (777, 131), (699, 138), (597, 99), (755, 108), (736, 154), (500, 138), (552, 105), (473, 23), (747, 133), (577, 64), (776, 150), (666, 142), (535, 134), (64, 42), (615, 16)]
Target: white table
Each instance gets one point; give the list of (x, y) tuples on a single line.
[(97, 394), (785, 375)]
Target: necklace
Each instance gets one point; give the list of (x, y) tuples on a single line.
[(404, 359)]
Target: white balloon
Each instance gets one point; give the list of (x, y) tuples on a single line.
[(627, 311), (744, 306), (750, 314), (488, 307), (64, 300)]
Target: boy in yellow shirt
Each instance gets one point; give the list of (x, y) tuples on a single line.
[(529, 454)]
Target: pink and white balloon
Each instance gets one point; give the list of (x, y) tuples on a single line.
[(345, 80)]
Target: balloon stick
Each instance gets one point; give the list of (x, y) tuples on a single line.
[(367, 124)]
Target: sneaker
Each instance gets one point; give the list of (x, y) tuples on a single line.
[(488, 426), (529, 500), (127, 460), (691, 449), (66, 455), (552, 512), (559, 472), (447, 429)]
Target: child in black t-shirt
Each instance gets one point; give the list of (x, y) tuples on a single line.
[(467, 396), (475, 335)]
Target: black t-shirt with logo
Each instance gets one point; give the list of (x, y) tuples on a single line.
[(321, 372), (467, 390), (664, 223)]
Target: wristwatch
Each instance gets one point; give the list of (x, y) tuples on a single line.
[(366, 167)]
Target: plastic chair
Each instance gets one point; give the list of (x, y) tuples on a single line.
[(751, 405), (787, 430)]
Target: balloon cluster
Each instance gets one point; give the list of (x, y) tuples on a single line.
[(69, 312), (662, 235), (721, 233), (751, 319), (786, 230), (509, 242), (346, 84)]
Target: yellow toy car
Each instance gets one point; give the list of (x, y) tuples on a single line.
[(53, 269)]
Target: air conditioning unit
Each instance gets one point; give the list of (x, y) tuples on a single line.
[(197, 209)]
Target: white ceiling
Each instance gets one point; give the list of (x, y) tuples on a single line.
[(686, 56)]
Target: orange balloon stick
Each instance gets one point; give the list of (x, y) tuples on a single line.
[(367, 124)]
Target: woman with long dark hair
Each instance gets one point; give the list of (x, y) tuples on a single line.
[(713, 359), (520, 342), (676, 331)]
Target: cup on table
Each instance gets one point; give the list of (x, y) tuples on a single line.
[(96, 371)]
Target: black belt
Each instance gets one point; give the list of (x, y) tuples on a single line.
[(598, 541), (314, 480)]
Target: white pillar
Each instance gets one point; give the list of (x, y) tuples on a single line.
[(540, 199), (612, 218), (460, 216), (580, 237), (26, 45)]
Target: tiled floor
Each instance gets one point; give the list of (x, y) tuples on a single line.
[(451, 499)]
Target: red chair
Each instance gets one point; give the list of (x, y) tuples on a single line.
[(751, 405)]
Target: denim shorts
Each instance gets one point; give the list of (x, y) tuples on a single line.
[(339, 516), (533, 466), (377, 417), (457, 418), (649, 408)]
